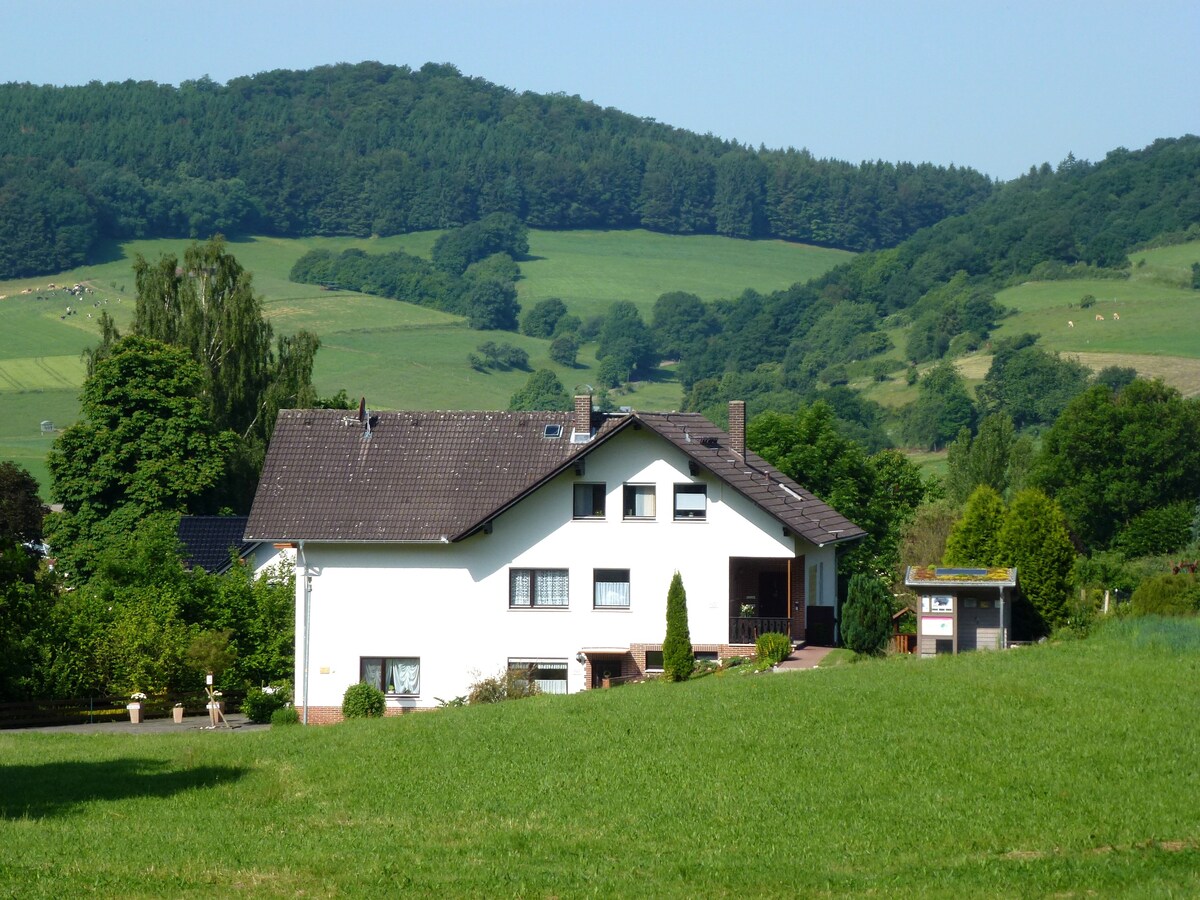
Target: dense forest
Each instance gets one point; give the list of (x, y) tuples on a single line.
[(1073, 221), (374, 149)]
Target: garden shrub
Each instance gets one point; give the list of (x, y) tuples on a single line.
[(867, 615), (363, 701), (773, 647), (285, 715), (508, 684), (261, 703), (1163, 529), (1167, 595)]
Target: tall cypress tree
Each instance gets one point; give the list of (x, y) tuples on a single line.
[(678, 659)]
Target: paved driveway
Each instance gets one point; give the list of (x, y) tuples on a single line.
[(237, 722)]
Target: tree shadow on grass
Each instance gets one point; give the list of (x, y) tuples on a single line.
[(55, 789)]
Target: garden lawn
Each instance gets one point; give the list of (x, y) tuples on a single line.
[(1067, 769)]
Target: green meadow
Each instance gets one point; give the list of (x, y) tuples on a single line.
[(397, 355), (1057, 770), (1148, 324)]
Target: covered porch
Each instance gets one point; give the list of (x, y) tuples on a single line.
[(766, 595)]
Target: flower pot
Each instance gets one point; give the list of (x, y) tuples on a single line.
[(135, 713), (177, 712), (214, 711)]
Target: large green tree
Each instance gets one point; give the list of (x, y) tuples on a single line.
[(207, 305), (543, 391), (144, 442), (943, 407), (878, 493), (995, 457), (1034, 538), (27, 591), (1113, 455)]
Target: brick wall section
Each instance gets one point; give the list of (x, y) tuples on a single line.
[(799, 601), (583, 414), (331, 715), (737, 426)]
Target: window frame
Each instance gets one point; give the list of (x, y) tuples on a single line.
[(596, 582), (630, 492), (534, 574), (598, 490), (384, 667), (689, 488)]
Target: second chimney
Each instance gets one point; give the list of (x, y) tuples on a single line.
[(582, 421), (737, 426)]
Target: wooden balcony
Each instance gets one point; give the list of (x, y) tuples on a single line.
[(746, 629)]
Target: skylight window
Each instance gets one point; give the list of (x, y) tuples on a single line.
[(552, 431)]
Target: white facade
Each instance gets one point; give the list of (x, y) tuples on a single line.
[(448, 605)]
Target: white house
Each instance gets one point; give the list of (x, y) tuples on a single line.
[(434, 547)]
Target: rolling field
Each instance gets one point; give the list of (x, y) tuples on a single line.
[(396, 354), (1153, 329), (1063, 770)]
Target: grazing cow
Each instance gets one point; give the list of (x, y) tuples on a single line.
[(1099, 318), (1070, 324), (1116, 317)]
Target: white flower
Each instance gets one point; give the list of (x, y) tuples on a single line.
[(217, 693), (137, 695)]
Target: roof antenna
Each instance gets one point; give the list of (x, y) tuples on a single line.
[(364, 418)]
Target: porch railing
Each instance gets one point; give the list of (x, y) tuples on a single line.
[(746, 629)]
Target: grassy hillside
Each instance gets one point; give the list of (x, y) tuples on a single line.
[(398, 355), (1151, 332), (1064, 770)]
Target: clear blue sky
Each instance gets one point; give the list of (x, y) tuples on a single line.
[(990, 84)]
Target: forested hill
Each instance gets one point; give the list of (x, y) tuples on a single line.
[(374, 149)]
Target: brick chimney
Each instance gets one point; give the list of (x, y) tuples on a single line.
[(737, 426), (582, 421)]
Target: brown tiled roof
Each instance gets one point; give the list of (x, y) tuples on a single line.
[(433, 476), (753, 476)]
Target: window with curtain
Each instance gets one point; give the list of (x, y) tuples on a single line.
[(639, 501), (691, 501), (550, 675), (611, 588), (537, 587), (392, 674)]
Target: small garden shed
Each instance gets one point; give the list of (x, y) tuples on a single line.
[(962, 608)]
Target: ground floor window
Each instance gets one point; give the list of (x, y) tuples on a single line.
[(550, 675), (654, 660), (611, 588), (392, 674)]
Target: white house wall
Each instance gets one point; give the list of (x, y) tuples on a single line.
[(448, 604)]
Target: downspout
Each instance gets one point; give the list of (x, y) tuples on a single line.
[(307, 620), (1003, 642)]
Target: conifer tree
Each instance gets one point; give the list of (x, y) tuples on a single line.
[(678, 659), (866, 615), (972, 541)]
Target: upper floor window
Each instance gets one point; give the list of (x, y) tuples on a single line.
[(639, 501), (589, 501), (691, 501), (537, 587)]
